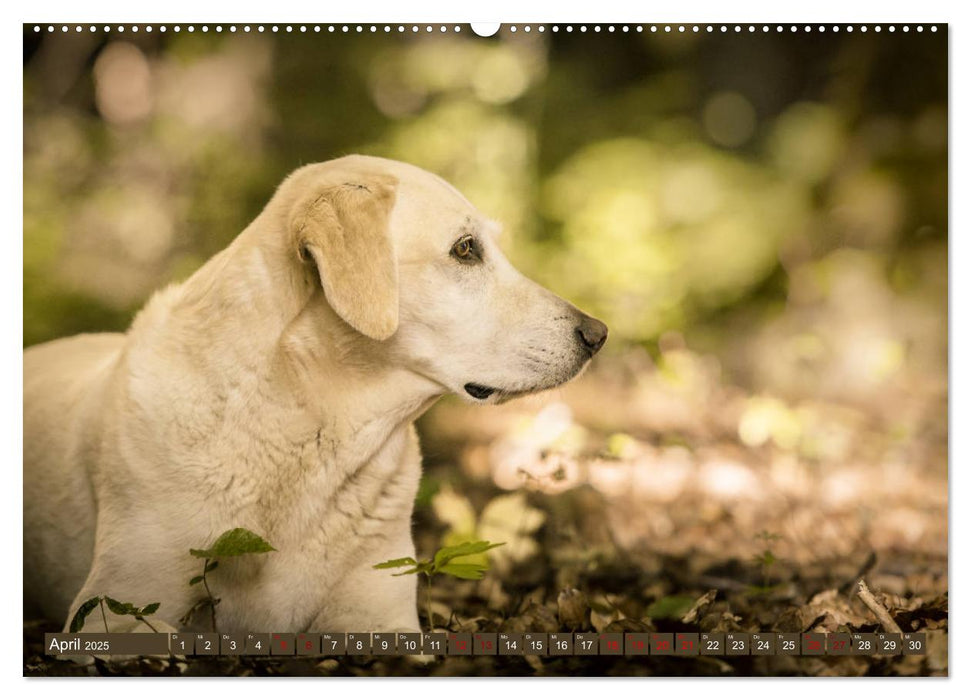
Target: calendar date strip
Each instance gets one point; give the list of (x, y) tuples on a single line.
[(490, 644)]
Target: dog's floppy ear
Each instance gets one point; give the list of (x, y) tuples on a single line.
[(345, 230)]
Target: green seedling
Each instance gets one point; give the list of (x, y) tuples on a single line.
[(232, 543), (77, 622), (765, 560), (444, 563)]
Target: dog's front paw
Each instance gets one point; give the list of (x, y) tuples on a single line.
[(421, 659), (80, 660)]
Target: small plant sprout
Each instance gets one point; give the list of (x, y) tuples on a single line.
[(766, 559), (77, 622), (232, 543), (444, 563)]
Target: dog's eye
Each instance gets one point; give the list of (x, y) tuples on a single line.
[(466, 250)]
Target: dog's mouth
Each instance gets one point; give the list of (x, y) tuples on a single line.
[(482, 392), (478, 391)]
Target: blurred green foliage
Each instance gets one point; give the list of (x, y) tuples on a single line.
[(708, 185)]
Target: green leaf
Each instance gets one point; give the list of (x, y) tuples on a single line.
[(467, 571), (395, 563), (670, 607), (77, 622), (211, 565), (234, 543), (409, 571), (194, 580), (150, 609), (120, 608), (446, 554), (767, 558)]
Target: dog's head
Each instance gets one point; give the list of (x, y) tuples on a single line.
[(407, 262)]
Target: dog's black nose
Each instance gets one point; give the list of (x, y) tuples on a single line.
[(592, 333)]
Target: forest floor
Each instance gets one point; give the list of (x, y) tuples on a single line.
[(641, 500)]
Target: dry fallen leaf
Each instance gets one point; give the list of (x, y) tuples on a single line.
[(699, 607), (539, 618), (572, 609), (835, 609)]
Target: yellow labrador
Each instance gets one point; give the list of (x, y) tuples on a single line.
[(275, 390)]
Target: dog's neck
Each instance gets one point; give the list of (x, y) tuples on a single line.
[(347, 385), (333, 393)]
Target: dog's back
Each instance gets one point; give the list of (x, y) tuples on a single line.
[(62, 379)]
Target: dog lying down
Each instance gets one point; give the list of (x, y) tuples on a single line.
[(275, 390)]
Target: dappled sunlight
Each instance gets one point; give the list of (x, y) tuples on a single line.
[(107, 201), (669, 230), (827, 477), (122, 80)]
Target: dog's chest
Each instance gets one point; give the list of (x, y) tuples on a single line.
[(332, 497), (323, 532), (348, 505)]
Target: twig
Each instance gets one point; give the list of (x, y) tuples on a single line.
[(212, 600), (883, 617), (428, 603)]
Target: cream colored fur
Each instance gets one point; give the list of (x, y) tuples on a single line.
[(275, 390)]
